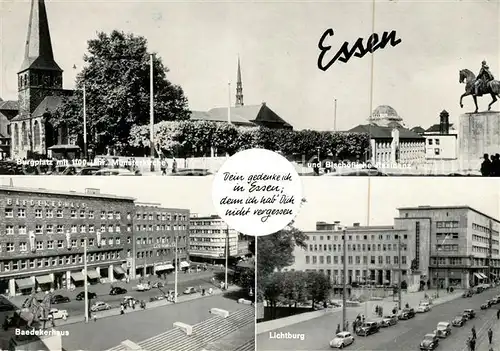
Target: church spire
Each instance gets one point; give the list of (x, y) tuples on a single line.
[(38, 53), (239, 87)]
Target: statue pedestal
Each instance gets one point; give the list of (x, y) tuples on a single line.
[(479, 133)]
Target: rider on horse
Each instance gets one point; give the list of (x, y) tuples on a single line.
[(483, 78)]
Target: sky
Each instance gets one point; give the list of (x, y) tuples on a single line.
[(345, 199), (277, 42)]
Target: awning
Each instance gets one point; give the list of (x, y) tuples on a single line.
[(118, 270), (24, 283), (483, 275), (77, 276), (163, 267), (44, 279), (184, 264), (92, 274), (478, 276)]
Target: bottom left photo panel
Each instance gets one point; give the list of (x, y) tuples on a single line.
[(122, 263)]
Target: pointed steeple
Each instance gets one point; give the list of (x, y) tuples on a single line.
[(38, 53), (239, 86)]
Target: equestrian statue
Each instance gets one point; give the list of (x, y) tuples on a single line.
[(481, 85), (35, 311)]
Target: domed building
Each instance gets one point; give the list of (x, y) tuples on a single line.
[(386, 116), (391, 144)]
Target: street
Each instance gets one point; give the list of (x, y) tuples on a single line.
[(406, 335), (108, 332)]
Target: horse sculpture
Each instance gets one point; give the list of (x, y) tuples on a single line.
[(36, 311), (469, 78)]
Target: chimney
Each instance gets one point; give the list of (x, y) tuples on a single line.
[(355, 224)]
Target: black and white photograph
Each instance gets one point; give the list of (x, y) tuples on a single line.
[(384, 264), (106, 264), (375, 87)]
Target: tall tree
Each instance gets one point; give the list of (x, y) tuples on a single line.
[(117, 83), (318, 286)]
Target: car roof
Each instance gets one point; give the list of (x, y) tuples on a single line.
[(468, 310), (430, 335), (344, 333), (443, 323)]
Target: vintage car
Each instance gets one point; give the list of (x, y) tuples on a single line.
[(388, 321), (341, 340), (368, 328), (469, 313), (54, 313), (467, 293), (423, 307), (459, 320), (430, 342), (485, 306), (443, 330), (143, 287), (407, 313), (99, 306), (189, 290)]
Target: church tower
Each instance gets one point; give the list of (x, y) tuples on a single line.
[(40, 76), (239, 87)]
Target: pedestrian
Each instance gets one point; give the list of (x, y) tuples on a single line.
[(376, 309), (95, 317), (346, 325), (498, 314), (486, 166), (473, 344), (467, 343), (490, 335), (122, 309), (474, 332), (338, 329)]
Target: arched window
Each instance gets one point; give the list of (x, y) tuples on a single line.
[(15, 135), (36, 134), (24, 133)]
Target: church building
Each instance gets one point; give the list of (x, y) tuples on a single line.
[(242, 115), (40, 91)]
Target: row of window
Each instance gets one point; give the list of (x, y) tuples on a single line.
[(207, 231), (447, 247), (164, 216), (158, 227), (60, 244), (355, 260), (210, 240), (49, 213), (161, 240), (216, 223), (484, 240), (447, 224), (373, 237), (460, 261), (210, 248), (442, 236), (482, 228), (484, 250), (162, 252), (60, 229), (356, 247), (14, 265)]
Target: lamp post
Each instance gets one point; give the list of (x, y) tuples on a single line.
[(86, 289), (344, 279), (400, 272), (437, 263), (227, 256), (175, 273)]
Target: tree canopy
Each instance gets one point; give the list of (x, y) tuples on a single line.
[(116, 78)]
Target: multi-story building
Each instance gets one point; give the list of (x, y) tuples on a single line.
[(450, 246), (208, 236), (43, 232), (157, 232)]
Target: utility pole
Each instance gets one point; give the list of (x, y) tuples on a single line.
[(85, 122), (400, 272), (490, 249), (86, 291), (344, 295), (437, 270), (227, 255)]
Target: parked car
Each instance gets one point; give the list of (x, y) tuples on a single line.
[(388, 321), (56, 299), (54, 313), (443, 329), (117, 290), (407, 313), (423, 307), (157, 298), (341, 340), (469, 313), (189, 290), (157, 285), (492, 302), (81, 295), (459, 320), (171, 293), (430, 342), (100, 306), (467, 293), (485, 306), (143, 287), (368, 328)]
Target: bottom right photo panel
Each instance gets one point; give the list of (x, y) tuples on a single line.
[(384, 264)]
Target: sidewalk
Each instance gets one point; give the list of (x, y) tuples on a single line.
[(103, 288), (149, 305), (483, 344)]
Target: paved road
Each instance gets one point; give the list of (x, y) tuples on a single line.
[(109, 332), (406, 335)]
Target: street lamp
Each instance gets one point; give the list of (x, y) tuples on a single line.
[(344, 278), (175, 273), (86, 289), (400, 272)]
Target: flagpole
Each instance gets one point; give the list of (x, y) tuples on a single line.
[(84, 121), (227, 255), (151, 112), (229, 103), (335, 117)]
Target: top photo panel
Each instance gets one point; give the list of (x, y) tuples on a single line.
[(340, 88)]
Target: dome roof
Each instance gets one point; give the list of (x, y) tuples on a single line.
[(384, 111)]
